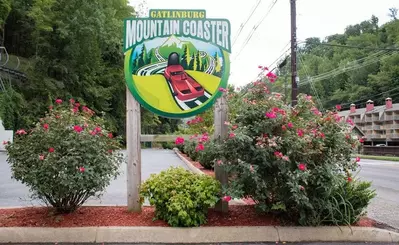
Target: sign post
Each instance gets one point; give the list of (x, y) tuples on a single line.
[(177, 63), (133, 168)]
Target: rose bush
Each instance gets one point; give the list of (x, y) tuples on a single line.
[(288, 160), (66, 158)]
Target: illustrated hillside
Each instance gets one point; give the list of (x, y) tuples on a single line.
[(190, 57)]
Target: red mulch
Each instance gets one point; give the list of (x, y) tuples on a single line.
[(119, 216)]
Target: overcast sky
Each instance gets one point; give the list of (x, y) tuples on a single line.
[(315, 18)]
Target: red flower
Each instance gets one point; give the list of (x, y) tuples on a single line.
[(51, 149), (109, 151), (41, 157), (234, 127), (77, 104), (94, 132), (302, 166), (179, 141), (349, 179), (71, 101), (110, 135), (338, 107), (278, 154), (82, 169), (300, 132), (301, 188), (347, 136), (361, 140), (290, 125), (50, 107), (57, 116), (227, 198), (21, 132), (75, 109), (77, 128), (308, 97), (5, 142), (232, 135), (200, 147), (271, 115), (283, 127), (98, 129), (45, 126), (222, 90), (322, 135), (58, 101), (357, 159)]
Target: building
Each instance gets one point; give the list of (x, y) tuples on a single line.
[(378, 124)]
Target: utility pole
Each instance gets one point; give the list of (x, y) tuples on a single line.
[(294, 81)]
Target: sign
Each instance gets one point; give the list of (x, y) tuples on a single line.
[(177, 61)]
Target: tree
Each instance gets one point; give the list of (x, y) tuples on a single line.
[(5, 8), (198, 61), (218, 66), (142, 57), (185, 59), (393, 13), (192, 66)]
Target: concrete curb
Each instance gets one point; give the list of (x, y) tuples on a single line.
[(194, 169), (195, 235)]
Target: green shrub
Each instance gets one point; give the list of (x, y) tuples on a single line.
[(289, 160), (67, 158), (348, 202), (168, 145), (190, 148), (181, 197), (209, 155)]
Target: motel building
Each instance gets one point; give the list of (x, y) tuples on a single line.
[(378, 125)]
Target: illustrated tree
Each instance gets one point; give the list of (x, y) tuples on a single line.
[(142, 57), (193, 65), (198, 60), (185, 59)]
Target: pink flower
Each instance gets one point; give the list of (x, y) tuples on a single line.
[(98, 129), (111, 136), (227, 198), (5, 142), (232, 135), (357, 159), (219, 162), (234, 127), (338, 107), (200, 147), (50, 107), (301, 188), (302, 166), (45, 126), (226, 123), (41, 157), (308, 97), (179, 141), (82, 169), (58, 116), (290, 125), (51, 149), (93, 132), (110, 151), (285, 158), (77, 128), (271, 76), (271, 115), (71, 101), (300, 132), (251, 168), (222, 90), (361, 140), (21, 132), (322, 135), (278, 154), (58, 101), (284, 127), (75, 109), (350, 122), (77, 104)]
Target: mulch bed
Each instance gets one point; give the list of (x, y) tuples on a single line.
[(119, 216)]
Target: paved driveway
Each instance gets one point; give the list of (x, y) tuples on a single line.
[(13, 193)]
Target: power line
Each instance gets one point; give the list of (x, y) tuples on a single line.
[(246, 21), (357, 47), (255, 28)]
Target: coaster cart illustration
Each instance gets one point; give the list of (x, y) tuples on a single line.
[(184, 87)]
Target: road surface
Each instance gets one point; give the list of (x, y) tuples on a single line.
[(383, 174), (13, 193)]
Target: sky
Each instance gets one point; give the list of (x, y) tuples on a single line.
[(315, 18)]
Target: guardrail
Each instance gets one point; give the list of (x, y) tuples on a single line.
[(161, 137)]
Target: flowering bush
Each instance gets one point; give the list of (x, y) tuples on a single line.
[(181, 198), (288, 160), (66, 158)]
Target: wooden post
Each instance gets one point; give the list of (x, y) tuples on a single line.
[(221, 132), (133, 135)]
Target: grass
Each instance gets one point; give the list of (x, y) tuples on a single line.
[(382, 158)]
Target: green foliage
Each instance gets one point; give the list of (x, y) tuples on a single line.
[(348, 202), (209, 155), (66, 158), (181, 197), (289, 160)]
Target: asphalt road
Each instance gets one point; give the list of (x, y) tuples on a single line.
[(383, 174)]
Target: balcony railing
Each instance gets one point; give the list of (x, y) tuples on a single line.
[(377, 127), (358, 120), (396, 117), (388, 126), (393, 136), (376, 136), (388, 118), (368, 119), (395, 126)]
